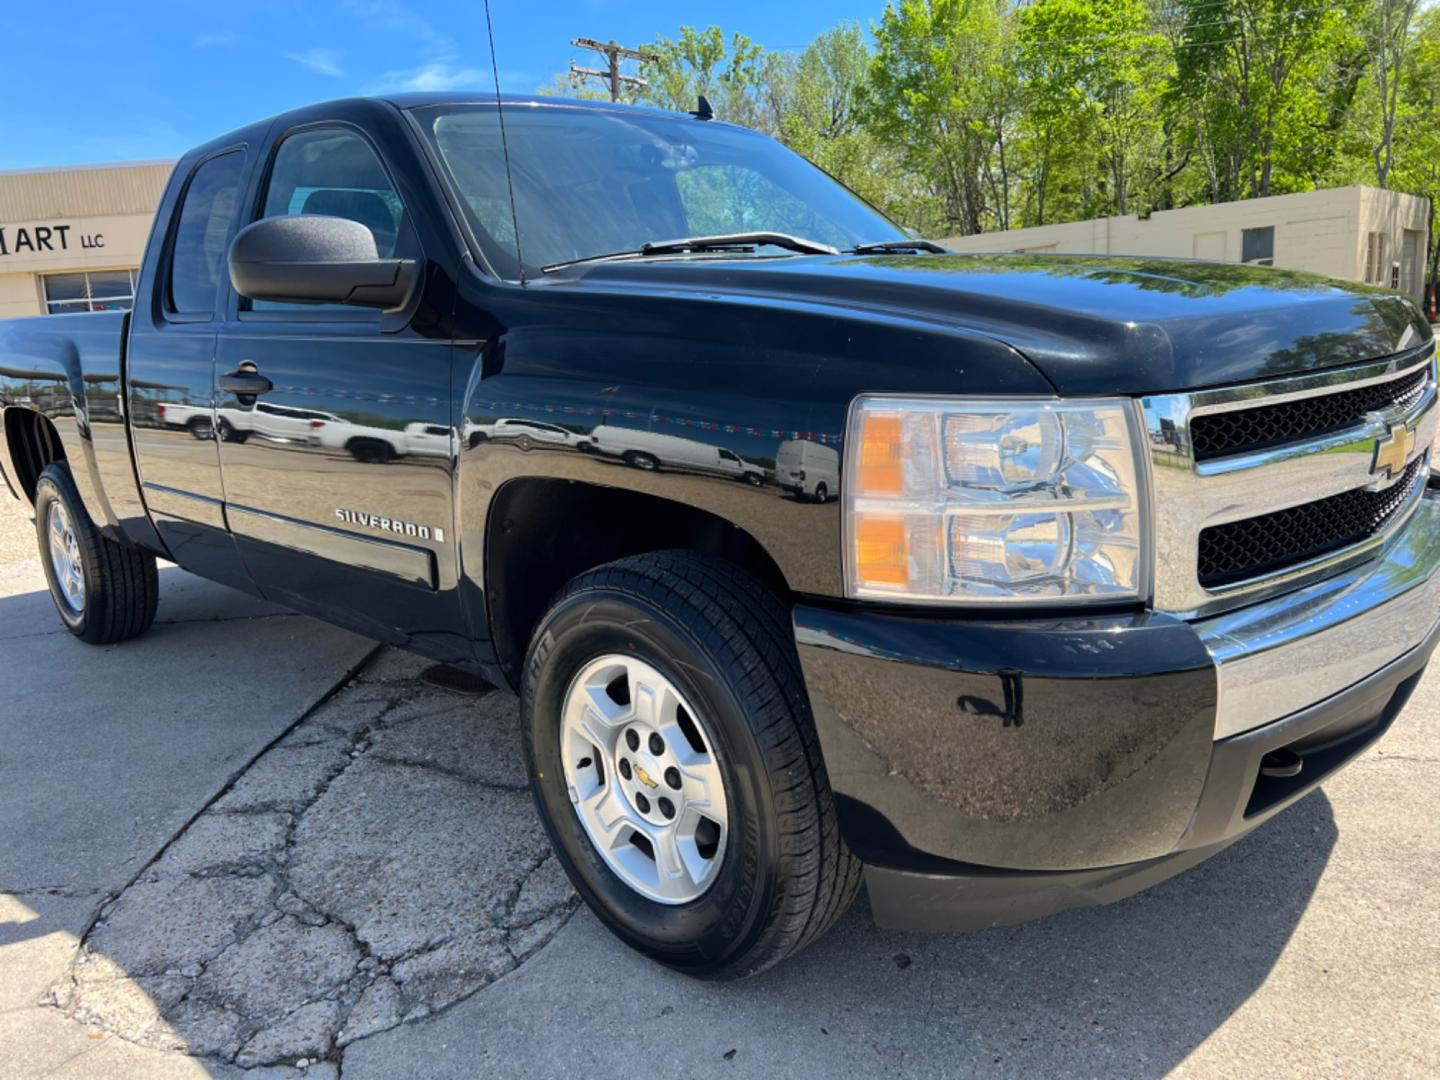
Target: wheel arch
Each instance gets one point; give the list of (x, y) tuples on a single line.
[(32, 442), (530, 553)]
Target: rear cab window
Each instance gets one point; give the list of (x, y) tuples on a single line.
[(202, 232)]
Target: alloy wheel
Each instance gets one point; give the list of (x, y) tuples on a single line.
[(644, 778), (65, 557)]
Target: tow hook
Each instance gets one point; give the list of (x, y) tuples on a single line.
[(1281, 764)]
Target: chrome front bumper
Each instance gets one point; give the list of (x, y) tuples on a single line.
[(1282, 655)]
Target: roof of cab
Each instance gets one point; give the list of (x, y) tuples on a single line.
[(421, 100)]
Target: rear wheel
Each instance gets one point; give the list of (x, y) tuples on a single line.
[(371, 451), (675, 764), (822, 493), (639, 460), (105, 591)]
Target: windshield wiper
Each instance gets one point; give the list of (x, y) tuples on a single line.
[(880, 247), (691, 245), (738, 241)]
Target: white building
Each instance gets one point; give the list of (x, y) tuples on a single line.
[(71, 239), (1357, 233)]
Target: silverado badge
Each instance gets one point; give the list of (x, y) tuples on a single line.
[(1393, 451), (390, 525)]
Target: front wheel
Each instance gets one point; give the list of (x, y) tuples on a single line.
[(230, 433), (105, 591), (675, 764)]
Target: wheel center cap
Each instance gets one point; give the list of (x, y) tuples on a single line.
[(644, 776)]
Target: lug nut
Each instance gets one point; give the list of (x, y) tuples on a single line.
[(632, 740), (625, 768), (657, 744), (672, 777), (667, 807), (642, 802)]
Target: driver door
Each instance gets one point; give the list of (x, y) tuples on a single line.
[(328, 504)]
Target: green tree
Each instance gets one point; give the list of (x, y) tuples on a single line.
[(1256, 78), (567, 85), (940, 94), (1416, 165), (738, 77), (1388, 33), (1095, 73), (821, 107)]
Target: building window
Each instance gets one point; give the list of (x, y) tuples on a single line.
[(90, 290), (1258, 246), (1376, 270)]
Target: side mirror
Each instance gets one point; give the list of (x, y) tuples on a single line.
[(312, 259)]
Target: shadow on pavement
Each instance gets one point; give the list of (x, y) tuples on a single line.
[(1129, 989)]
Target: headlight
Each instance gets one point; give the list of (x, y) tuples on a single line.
[(994, 501)]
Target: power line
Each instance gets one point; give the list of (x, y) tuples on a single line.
[(611, 75)]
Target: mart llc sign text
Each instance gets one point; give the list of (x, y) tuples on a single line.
[(33, 239)]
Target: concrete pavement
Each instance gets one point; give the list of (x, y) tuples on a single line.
[(341, 871)]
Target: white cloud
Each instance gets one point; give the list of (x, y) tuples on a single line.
[(436, 75), (323, 61), (396, 18)]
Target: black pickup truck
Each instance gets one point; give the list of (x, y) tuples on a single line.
[(1100, 563)]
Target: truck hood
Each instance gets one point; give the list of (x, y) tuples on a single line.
[(1091, 324)]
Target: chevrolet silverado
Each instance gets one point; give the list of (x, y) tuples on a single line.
[(1114, 558)]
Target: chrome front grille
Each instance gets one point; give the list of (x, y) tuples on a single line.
[(1254, 547), (1243, 431), (1264, 487)]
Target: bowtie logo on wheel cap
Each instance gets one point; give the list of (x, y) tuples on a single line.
[(1393, 451), (644, 777)]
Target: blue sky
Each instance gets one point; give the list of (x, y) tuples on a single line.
[(94, 81)]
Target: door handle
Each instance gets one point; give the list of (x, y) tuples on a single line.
[(245, 384)]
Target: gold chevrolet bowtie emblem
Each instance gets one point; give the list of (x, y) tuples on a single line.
[(644, 777), (1393, 451)]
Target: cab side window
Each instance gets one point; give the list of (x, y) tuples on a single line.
[(198, 257), (334, 172)]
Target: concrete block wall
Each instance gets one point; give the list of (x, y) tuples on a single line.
[(1324, 232)]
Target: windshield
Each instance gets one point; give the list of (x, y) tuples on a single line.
[(593, 181)]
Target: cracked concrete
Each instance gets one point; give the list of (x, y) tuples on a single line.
[(1311, 948), (381, 862)]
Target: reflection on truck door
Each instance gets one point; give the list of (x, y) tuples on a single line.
[(292, 497), (172, 355)]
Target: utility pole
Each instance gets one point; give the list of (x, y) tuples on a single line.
[(613, 54)]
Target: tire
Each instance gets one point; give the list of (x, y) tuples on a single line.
[(201, 428), (371, 451), (120, 586), (644, 462), (822, 493), (725, 642), (754, 479), (229, 433)]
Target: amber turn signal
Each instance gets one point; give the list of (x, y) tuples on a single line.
[(882, 555), (880, 448)]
